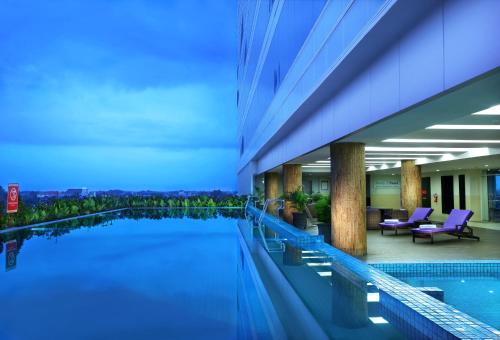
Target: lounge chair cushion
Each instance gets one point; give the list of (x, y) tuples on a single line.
[(455, 222), (418, 215)]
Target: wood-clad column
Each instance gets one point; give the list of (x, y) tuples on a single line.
[(348, 197), (411, 185), (271, 183), (292, 179)]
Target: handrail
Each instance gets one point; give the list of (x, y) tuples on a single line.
[(269, 201)]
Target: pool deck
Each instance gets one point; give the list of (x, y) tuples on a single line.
[(394, 248)]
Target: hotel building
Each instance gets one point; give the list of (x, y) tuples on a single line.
[(383, 103)]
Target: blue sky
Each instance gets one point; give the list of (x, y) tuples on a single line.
[(118, 94)]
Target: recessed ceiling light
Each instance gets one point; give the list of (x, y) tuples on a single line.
[(323, 162), (486, 165), (390, 158), (402, 154), (393, 174), (416, 149), (437, 170), (463, 127), (494, 111), (465, 141)]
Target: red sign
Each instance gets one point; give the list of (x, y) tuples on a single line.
[(12, 198)]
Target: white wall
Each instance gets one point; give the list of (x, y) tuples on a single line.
[(475, 192)]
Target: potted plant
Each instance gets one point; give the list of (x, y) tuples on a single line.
[(260, 198), (299, 200), (323, 211)]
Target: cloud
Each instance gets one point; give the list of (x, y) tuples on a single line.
[(92, 114), (114, 76)]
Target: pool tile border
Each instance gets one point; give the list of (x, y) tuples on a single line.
[(430, 317)]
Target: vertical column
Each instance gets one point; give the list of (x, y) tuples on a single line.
[(348, 197), (271, 182), (292, 179), (411, 185)]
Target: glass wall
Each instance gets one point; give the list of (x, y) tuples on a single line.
[(493, 180)]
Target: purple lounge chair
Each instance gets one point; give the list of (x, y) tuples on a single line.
[(420, 214), (455, 224)]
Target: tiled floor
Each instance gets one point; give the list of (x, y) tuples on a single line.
[(390, 247), (486, 225)]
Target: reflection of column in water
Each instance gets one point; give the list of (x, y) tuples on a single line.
[(349, 304), (292, 256)]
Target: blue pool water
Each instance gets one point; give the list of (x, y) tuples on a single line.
[(476, 295), (125, 278)]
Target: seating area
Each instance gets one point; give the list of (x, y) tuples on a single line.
[(419, 223)]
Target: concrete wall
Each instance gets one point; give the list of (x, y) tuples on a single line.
[(450, 43), (316, 182)]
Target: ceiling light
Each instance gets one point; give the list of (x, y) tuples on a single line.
[(494, 111), (466, 141), (323, 162), (390, 158), (403, 154), (463, 127), (437, 170), (416, 149)]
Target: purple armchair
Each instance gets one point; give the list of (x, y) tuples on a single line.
[(455, 224), (420, 214)]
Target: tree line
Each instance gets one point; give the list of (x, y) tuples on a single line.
[(71, 207)]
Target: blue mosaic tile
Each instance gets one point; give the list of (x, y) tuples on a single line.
[(412, 311)]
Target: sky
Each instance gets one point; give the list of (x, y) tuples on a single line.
[(118, 94)]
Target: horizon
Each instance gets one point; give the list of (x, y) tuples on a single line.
[(151, 107)]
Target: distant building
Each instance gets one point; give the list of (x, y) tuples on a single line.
[(82, 192)]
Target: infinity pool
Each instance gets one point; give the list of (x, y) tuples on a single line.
[(128, 277)]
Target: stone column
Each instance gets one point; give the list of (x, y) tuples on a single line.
[(411, 186), (348, 197), (292, 179), (271, 183)]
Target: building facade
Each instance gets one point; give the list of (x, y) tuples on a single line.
[(352, 88)]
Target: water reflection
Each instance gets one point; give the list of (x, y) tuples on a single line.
[(292, 256), (15, 239), (349, 295), (10, 255)]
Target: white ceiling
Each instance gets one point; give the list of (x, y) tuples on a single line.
[(455, 107)]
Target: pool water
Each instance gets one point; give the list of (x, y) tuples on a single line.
[(129, 277), (478, 296)]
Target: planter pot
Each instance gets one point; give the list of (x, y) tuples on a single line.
[(325, 229), (300, 220)]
